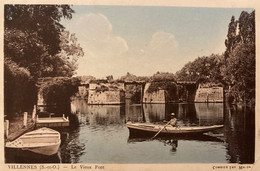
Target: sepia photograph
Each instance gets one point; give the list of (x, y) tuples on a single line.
[(128, 84)]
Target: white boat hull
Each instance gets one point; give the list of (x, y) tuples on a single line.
[(44, 141), (47, 150)]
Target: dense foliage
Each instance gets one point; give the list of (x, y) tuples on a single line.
[(68, 56), (36, 45), (135, 91), (158, 76), (35, 39), (163, 76), (203, 69), (58, 90), (239, 68), (42, 21), (19, 89), (112, 86)]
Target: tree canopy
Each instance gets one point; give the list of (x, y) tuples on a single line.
[(239, 68), (202, 69), (35, 39), (36, 45)]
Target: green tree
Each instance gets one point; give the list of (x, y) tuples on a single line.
[(32, 38), (231, 36), (19, 89), (65, 62), (202, 69), (247, 27), (58, 90), (241, 72), (36, 45), (239, 69), (41, 19)]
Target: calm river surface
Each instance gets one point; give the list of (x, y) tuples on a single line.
[(98, 134)]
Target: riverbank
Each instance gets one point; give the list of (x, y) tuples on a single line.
[(17, 128)]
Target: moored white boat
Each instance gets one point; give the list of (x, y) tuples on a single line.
[(44, 141)]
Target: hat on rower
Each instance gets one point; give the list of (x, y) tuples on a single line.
[(172, 114)]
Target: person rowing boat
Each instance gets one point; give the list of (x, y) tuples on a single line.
[(173, 120)]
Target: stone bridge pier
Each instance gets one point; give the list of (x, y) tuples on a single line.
[(187, 90)]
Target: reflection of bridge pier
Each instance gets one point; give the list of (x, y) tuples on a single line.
[(210, 112)]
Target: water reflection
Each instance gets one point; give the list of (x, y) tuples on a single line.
[(186, 113), (240, 134), (232, 140), (209, 113), (71, 147), (172, 141), (94, 115), (98, 134), (154, 112), (21, 156)]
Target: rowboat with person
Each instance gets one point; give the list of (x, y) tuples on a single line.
[(170, 128)]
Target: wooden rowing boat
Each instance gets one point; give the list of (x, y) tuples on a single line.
[(44, 141), (153, 128)]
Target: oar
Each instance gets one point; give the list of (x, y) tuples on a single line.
[(160, 130)]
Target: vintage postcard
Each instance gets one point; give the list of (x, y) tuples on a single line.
[(129, 85)]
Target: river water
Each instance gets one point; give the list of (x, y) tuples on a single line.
[(98, 134)]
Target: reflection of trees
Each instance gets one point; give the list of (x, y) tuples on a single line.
[(71, 148), (133, 112), (172, 140), (78, 105), (187, 113), (98, 114), (240, 134)]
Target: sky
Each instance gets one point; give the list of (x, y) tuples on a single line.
[(142, 40)]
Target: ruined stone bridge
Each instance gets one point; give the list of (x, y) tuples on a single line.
[(115, 92)]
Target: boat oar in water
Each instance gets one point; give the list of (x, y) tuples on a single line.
[(161, 130)]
